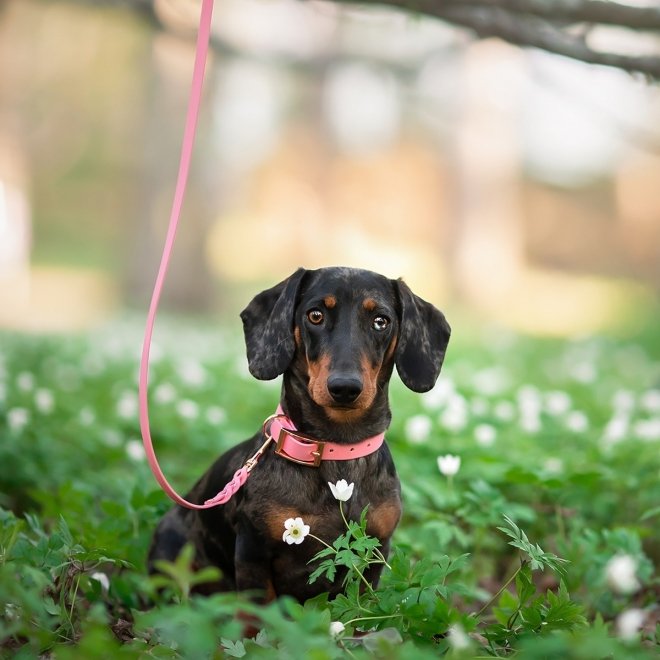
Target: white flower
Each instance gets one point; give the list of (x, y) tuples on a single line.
[(44, 401), (102, 579), (17, 418), (577, 421), (111, 437), (418, 428), (455, 416), (615, 430), (479, 406), (629, 622), (342, 491), (557, 402), (457, 638), (650, 401), (449, 464), (135, 450), (295, 531), (192, 373), (620, 574), (187, 409), (648, 429), (336, 628), (127, 406), (25, 381), (165, 393), (623, 401), (485, 435), (491, 381), (86, 416), (553, 465), (583, 372), (530, 422), (438, 396), (215, 415)]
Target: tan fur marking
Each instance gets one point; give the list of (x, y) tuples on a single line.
[(329, 301), (383, 519), (319, 371), (369, 304), (274, 518), (297, 337)]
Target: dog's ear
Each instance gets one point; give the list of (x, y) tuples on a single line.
[(268, 328), (422, 342)]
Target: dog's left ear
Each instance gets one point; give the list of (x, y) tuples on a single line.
[(423, 338), (268, 328)]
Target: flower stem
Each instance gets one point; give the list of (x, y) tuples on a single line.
[(504, 586)]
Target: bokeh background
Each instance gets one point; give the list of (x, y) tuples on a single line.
[(514, 186)]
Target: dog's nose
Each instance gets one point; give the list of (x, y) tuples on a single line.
[(344, 389)]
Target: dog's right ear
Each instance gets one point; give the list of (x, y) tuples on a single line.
[(268, 328)]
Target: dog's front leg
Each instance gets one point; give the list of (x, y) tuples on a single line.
[(253, 564)]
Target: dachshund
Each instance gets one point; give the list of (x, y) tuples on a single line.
[(335, 334)]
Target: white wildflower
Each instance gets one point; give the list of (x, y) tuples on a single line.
[(449, 464), (479, 406), (86, 416), (455, 416), (192, 373), (336, 628), (25, 381), (530, 422), (620, 573), (17, 418), (615, 430), (576, 421), (553, 465), (438, 396), (164, 393), (127, 405), (623, 401), (44, 401), (457, 638), (418, 428), (102, 579), (342, 491), (629, 622), (650, 401), (295, 531), (485, 435), (557, 402), (135, 450), (111, 438), (491, 381), (647, 429), (583, 372), (187, 409), (215, 415)]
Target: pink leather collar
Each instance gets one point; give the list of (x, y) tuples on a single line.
[(299, 448)]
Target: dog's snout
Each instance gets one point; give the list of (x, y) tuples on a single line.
[(344, 389)]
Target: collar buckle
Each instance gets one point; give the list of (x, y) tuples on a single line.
[(316, 455)]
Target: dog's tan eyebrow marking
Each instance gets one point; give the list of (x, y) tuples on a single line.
[(329, 301), (369, 304)]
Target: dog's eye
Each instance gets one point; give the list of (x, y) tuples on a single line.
[(315, 316), (381, 322)]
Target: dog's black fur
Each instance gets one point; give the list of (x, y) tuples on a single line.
[(336, 335)]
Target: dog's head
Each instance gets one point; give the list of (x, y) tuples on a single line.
[(345, 329)]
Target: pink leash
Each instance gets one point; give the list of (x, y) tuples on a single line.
[(184, 166)]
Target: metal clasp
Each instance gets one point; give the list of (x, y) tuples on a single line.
[(252, 461)]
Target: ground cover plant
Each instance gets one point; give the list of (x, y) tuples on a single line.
[(531, 486)]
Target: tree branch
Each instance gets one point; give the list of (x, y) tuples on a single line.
[(539, 23)]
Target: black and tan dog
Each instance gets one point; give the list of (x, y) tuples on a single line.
[(336, 335)]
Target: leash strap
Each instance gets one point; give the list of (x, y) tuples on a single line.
[(182, 179)]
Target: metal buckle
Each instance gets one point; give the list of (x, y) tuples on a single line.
[(318, 454)]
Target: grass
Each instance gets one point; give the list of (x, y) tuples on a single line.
[(512, 556)]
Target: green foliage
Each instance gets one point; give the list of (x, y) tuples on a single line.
[(511, 557)]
